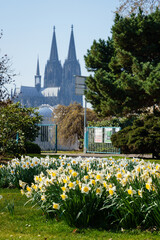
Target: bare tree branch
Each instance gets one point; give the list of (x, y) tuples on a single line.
[(128, 7), (6, 75)]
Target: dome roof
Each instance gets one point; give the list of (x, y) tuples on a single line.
[(45, 110)]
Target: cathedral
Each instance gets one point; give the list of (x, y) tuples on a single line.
[(59, 81)]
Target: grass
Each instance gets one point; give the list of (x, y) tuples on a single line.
[(29, 223)]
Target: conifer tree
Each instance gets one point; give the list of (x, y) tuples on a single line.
[(126, 68)]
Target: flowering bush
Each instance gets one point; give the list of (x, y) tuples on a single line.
[(99, 192)]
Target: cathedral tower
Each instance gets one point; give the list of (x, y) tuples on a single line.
[(71, 68), (38, 77), (53, 68)]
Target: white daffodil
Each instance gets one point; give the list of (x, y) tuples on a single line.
[(119, 175), (71, 185), (112, 190), (22, 184), (99, 191), (85, 188), (43, 198), (131, 191), (140, 191), (56, 206), (64, 196)]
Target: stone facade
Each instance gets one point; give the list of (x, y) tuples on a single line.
[(59, 81)]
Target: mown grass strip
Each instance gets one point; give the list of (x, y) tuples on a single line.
[(30, 223)]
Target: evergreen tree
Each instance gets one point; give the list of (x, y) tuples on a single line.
[(126, 68), (142, 137)]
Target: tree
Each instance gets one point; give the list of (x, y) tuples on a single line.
[(97, 60), (130, 82), (18, 125), (6, 75), (142, 137), (70, 121), (128, 7)]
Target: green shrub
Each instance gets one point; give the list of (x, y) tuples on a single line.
[(32, 147), (113, 122), (142, 137), (18, 124)]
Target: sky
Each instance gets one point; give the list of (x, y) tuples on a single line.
[(28, 28)]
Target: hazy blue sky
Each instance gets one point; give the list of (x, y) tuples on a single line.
[(28, 27)]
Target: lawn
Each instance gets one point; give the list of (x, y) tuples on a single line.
[(29, 223)]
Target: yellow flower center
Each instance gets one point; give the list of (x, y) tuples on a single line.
[(53, 174), (98, 190), (93, 182), (28, 189), (130, 192), (119, 175), (98, 177), (74, 174), (86, 189), (104, 184), (86, 177), (35, 187), (71, 185), (56, 206), (140, 193), (148, 186), (63, 188), (37, 178), (63, 196), (111, 191)]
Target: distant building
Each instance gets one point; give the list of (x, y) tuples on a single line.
[(47, 135), (59, 82)]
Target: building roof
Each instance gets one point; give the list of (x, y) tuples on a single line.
[(45, 110), (50, 92), (30, 92), (44, 92)]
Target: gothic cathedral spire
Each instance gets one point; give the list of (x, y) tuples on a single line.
[(53, 69), (38, 71), (72, 50), (38, 77), (54, 52), (71, 68)]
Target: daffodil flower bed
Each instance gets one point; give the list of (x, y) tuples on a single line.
[(107, 193), (23, 169)]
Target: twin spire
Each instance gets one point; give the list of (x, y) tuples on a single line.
[(71, 51), (53, 69), (54, 51)]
